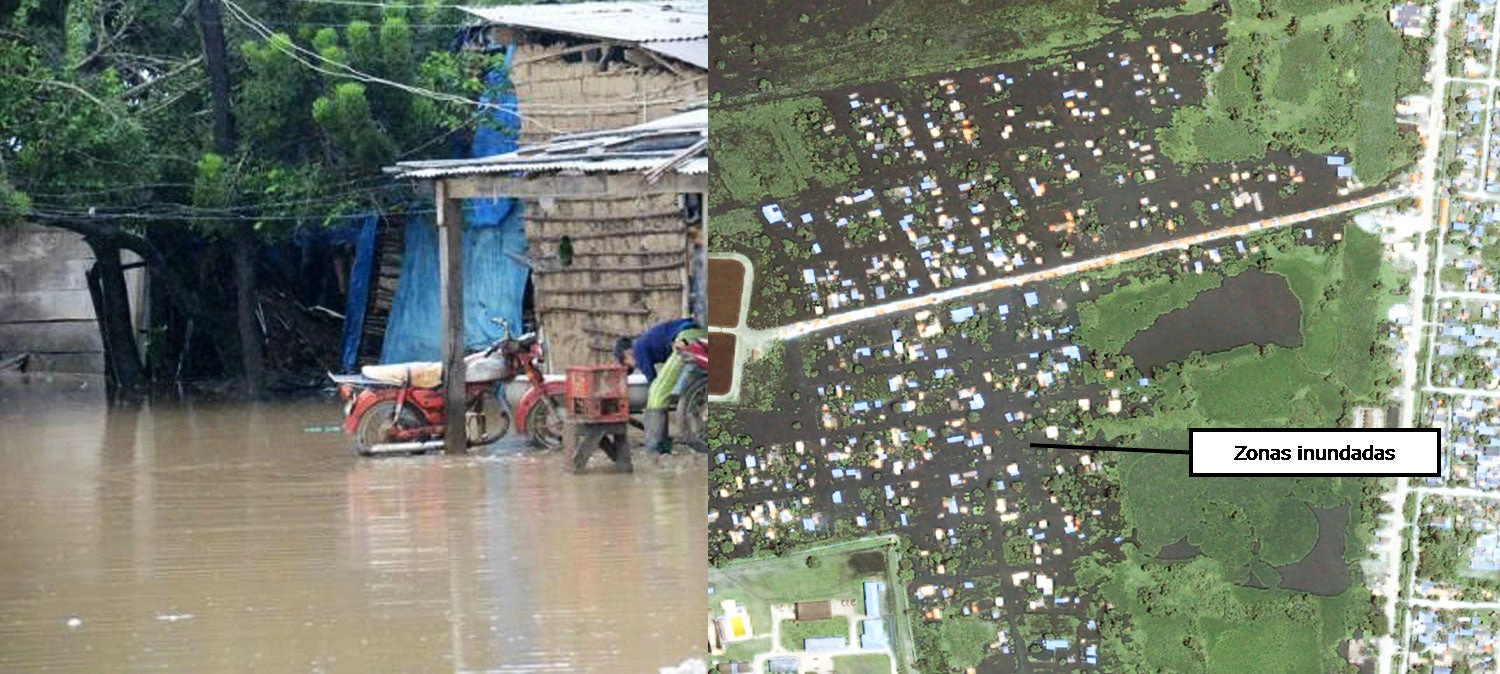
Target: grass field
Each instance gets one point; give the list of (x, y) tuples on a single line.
[(776, 150), (1344, 295), (873, 663), (758, 583), (794, 633), (844, 43), (955, 643), (1305, 75), (745, 651)]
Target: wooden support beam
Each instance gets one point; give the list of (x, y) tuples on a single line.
[(450, 222), (553, 185)]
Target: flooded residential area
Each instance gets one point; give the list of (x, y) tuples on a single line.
[(226, 537)]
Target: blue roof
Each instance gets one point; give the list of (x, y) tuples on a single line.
[(873, 590), (825, 644), (872, 634)]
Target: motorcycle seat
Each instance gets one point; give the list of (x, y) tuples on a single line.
[(421, 375)]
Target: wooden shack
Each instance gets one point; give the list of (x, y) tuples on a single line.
[(597, 65), (612, 226), (603, 265)]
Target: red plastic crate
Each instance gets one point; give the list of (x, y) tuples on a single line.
[(598, 393)]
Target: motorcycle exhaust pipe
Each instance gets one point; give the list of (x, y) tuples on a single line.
[(406, 447)]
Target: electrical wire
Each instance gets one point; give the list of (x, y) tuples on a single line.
[(264, 31)]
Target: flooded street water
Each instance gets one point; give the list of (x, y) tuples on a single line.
[(213, 538)]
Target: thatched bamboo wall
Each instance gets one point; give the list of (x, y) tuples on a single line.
[(628, 270), (630, 86)]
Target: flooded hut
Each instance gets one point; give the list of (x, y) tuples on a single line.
[(612, 225)]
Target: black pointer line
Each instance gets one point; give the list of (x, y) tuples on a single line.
[(1090, 448)]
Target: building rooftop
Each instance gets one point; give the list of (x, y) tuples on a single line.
[(677, 142), (678, 29)]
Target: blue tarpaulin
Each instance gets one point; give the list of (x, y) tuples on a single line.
[(495, 257), (494, 286), (359, 290)]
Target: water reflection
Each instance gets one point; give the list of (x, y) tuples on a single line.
[(226, 538)]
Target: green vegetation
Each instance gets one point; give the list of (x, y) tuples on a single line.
[(793, 633), (1198, 616), (776, 150), (763, 380), (1292, 73), (743, 231), (870, 663), (745, 651), (1340, 361), (1446, 550), (953, 643), (844, 43), (1108, 323), (1192, 617), (758, 583)]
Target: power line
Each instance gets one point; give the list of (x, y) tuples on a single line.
[(321, 199), (73, 215), (261, 29)]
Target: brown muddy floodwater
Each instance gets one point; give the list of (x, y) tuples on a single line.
[(218, 538), (726, 283), (720, 362)]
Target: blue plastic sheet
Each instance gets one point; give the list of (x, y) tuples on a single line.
[(494, 287), (359, 289)]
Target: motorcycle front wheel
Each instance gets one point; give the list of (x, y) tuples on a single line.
[(485, 419)]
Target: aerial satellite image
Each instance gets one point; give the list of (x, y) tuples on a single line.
[(980, 266)]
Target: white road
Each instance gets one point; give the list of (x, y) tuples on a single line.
[(1393, 586), (811, 326)]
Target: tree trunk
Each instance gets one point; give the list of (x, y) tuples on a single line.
[(252, 355), (122, 361)]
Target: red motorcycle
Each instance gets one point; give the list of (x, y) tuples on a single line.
[(399, 408)]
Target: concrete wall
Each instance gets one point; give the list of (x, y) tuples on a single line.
[(45, 309)]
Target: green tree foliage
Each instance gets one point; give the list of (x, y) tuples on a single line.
[(107, 115)]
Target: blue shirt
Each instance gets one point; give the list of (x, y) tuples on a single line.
[(655, 345)]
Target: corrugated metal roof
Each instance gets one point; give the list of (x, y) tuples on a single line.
[(694, 167), (694, 52), (563, 165), (630, 21), (642, 147)]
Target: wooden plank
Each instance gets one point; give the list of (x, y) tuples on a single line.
[(450, 223)]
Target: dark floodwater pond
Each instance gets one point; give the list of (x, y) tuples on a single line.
[(1251, 308), (228, 538), (1323, 571), (720, 362)]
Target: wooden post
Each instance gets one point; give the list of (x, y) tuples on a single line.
[(450, 222)]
